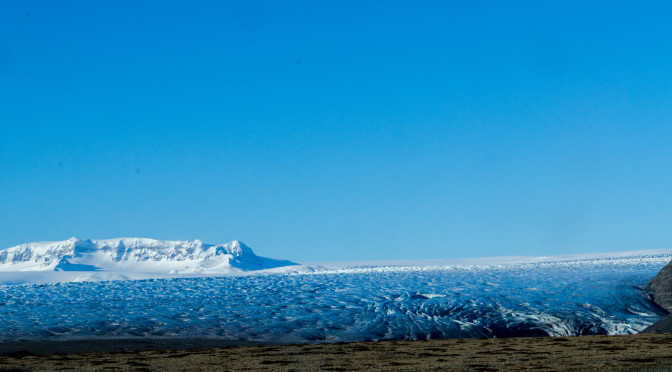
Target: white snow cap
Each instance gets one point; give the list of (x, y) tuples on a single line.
[(134, 254)]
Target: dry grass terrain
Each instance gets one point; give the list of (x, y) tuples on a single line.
[(652, 352)]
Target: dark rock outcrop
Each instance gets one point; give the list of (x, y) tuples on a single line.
[(662, 326), (661, 288)]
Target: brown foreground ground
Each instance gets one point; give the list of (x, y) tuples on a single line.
[(643, 352)]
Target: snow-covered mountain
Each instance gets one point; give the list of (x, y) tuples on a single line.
[(135, 255)]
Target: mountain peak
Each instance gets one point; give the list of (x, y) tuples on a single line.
[(134, 254)]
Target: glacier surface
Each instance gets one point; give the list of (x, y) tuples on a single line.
[(541, 297)]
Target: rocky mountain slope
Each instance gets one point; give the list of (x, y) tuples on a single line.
[(661, 288)]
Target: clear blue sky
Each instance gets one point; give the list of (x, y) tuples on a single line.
[(339, 130)]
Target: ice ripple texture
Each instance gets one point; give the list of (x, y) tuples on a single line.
[(601, 296)]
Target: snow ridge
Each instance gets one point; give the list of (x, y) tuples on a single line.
[(135, 254)]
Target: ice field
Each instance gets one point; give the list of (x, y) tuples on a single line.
[(561, 297)]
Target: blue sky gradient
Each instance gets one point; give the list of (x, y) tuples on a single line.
[(342, 130)]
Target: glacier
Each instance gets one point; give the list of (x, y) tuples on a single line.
[(504, 297)]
